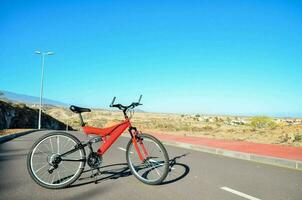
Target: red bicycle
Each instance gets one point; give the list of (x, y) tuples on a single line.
[(57, 159)]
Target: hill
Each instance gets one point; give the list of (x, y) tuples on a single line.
[(14, 115), (21, 98)]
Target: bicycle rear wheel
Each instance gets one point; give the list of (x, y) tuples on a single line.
[(154, 168), (46, 165)]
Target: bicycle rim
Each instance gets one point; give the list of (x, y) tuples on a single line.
[(45, 151), (155, 167)]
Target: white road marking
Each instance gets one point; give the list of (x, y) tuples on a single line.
[(155, 162), (120, 148), (239, 193)]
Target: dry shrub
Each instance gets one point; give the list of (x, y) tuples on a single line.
[(231, 130), (262, 122), (298, 137), (207, 128)]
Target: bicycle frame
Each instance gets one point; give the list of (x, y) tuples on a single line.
[(109, 136)]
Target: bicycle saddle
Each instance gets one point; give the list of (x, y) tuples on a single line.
[(77, 109)]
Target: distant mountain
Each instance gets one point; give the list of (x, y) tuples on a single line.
[(15, 97)]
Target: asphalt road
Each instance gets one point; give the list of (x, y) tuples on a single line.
[(195, 175)]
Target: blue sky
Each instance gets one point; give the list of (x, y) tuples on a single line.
[(214, 57)]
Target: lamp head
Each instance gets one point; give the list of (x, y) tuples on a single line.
[(50, 53)]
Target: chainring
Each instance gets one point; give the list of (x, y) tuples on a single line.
[(94, 160)]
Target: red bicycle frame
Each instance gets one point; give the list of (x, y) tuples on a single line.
[(109, 136)]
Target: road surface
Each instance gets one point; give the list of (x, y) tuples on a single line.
[(194, 175)]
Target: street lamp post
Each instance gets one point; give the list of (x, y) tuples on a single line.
[(42, 78)]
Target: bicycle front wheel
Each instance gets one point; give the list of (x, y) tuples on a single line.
[(155, 166), (46, 165)]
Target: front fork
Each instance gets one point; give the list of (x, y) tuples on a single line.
[(138, 142)]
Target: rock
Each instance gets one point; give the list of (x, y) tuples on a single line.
[(236, 122), (14, 116)]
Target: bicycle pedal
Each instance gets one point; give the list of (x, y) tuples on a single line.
[(94, 175)]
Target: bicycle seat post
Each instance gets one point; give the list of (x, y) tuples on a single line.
[(81, 120)]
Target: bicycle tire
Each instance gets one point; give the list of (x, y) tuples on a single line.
[(135, 169), (40, 141)]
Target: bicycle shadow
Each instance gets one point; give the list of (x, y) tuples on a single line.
[(177, 171)]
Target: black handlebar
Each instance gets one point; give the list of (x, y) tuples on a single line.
[(125, 108), (113, 100), (140, 98)]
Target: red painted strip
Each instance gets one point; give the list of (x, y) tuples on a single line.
[(281, 151)]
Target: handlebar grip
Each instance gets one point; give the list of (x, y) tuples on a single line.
[(140, 98), (113, 100)]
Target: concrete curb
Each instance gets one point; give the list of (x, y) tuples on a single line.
[(281, 162), (9, 137)]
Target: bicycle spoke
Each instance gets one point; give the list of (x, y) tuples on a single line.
[(42, 152), (65, 144), (52, 151), (42, 167), (46, 147), (58, 175), (159, 164), (39, 163), (154, 168), (150, 153), (58, 144), (67, 170), (53, 178), (45, 175)]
